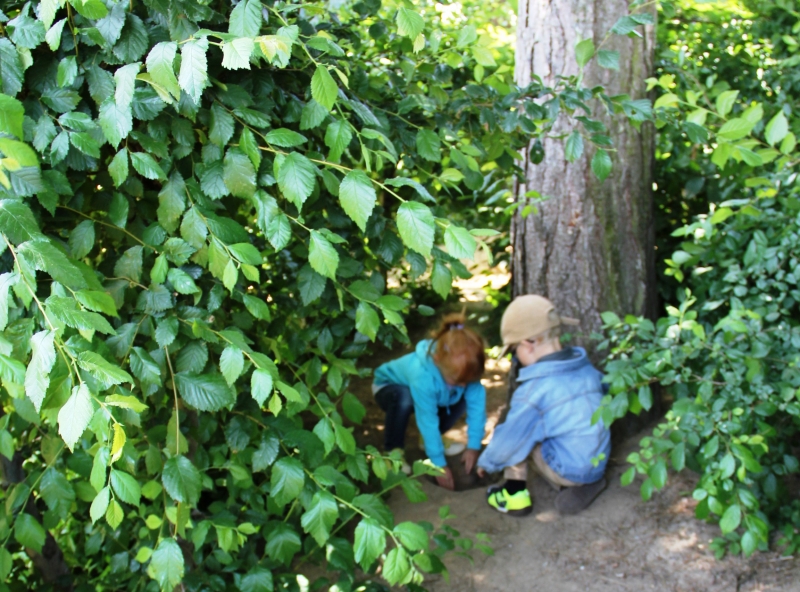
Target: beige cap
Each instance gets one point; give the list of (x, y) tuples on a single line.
[(527, 317)]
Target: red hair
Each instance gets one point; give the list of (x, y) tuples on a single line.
[(459, 351)]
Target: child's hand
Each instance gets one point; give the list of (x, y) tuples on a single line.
[(446, 480), (469, 458)]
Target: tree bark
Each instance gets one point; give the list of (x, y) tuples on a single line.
[(590, 246)]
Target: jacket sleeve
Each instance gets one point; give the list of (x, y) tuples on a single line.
[(427, 414), (476, 414), (514, 439)]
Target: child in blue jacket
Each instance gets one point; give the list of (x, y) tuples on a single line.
[(550, 417), (437, 382)]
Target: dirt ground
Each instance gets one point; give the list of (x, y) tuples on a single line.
[(620, 543)]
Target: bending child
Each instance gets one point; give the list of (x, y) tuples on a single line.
[(437, 382), (550, 418)]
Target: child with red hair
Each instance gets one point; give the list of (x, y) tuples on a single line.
[(438, 383)]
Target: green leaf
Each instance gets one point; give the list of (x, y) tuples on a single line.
[(441, 279), (159, 64), (126, 487), (283, 543), (296, 178), (43, 255), (231, 363), (584, 51), (396, 567), (645, 397), (102, 370), (261, 386), (81, 239), (608, 59), (28, 532), (370, 541), (459, 242), (287, 480), (125, 78), (257, 307), (417, 227), (320, 516), (100, 504), (322, 256), (573, 149), (238, 174), (236, 54), (367, 320), (735, 129), (245, 19), (601, 164), (17, 221), (409, 23), (731, 519), (37, 375), (285, 138), (75, 415), (324, 89), (406, 182), (258, 579), (146, 166), (114, 514), (166, 565), (182, 481), (358, 197), (353, 408), (21, 152), (205, 392), (776, 129), (11, 116), (337, 137), (412, 535), (313, 115), (193, 76), (725, 102), (429, 146), (118, 168)]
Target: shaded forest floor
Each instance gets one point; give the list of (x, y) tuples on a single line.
[(620, 543)]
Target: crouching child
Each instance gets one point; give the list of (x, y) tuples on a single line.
[(550, 416)]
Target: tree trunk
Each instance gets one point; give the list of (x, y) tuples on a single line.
[(590, 246)]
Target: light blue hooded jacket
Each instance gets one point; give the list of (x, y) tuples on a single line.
[(553, 406), (419, 373)]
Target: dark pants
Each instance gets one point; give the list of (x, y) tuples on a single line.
[(396, 401)]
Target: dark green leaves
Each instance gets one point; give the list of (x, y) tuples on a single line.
[(205, 392), (182, 481), (429, 146), (28, 532), (320, 516), (166, 564), (573, 149), (287, 480), (601, 164), (322, 256)]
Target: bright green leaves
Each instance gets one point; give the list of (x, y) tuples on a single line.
[(161, 70), (286, 480), (166, 564), (459, 242), (357, 196), (731, 519), (231, 363), (245, 19), (337, 138), (776, 129), (75, 414), (367, 320), (320, 516), (573, 149), (417, 227), (584, 51), (322, 255), (206, 392), (261, 386), (396, 566), (296, 177), (106, 373), (412, 535), (193, 76), (236, 53), (725, 101), (324, 88), (409, 23), (370, 541), (37, 377), (126, 487), (11, 116), (182, 481), (100, 504), (238, 174)]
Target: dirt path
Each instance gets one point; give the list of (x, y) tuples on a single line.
[(620, 543)]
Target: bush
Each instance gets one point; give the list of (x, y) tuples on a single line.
[(193, 258)]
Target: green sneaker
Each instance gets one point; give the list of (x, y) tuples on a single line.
[(518, 504)]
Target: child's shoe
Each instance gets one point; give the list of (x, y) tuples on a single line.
[(518, 504), (576, 499)]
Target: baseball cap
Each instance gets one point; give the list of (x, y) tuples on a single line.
[(529, 316)]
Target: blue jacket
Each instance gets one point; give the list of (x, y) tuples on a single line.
[(553, 406), (419, 373)]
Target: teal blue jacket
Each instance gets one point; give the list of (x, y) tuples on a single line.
[(419, 373)]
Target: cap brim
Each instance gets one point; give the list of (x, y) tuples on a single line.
[(504, 351), (569, 321)]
